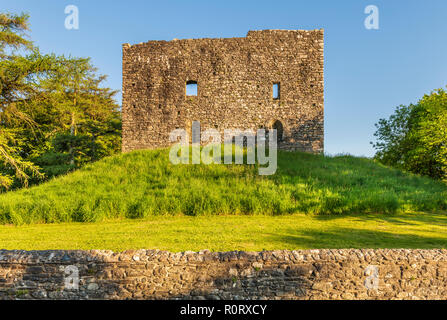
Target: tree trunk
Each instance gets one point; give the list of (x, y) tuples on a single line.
[(72, 133)]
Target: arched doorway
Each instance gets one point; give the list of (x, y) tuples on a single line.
[(279, 130)]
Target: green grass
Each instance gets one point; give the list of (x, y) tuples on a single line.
[(144, 184), (226, 233)]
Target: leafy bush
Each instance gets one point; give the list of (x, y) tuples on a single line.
[(414, 138)]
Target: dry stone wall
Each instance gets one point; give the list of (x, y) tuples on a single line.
[(154, 274), (235, 78)]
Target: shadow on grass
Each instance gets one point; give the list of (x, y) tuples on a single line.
[(410, 219), (356, 239)]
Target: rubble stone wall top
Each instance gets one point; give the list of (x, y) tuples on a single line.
[(155, 274)]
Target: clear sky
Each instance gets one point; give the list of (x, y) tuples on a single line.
[(367, 72)]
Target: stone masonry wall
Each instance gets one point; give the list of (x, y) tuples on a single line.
[(154, 274), (235, 78)]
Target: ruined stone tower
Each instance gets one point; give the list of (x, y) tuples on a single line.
[(269, 79)]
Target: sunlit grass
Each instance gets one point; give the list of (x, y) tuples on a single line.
[(226, 233)]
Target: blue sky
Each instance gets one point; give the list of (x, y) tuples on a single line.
[(367, 72)]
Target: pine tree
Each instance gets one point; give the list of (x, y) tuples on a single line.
[(55, 113), (17, 76)]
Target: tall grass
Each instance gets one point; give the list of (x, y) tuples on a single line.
[(145, 183)]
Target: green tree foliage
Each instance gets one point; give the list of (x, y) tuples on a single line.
[(17, 77), (12, 29), (55, 114), (414, 138), (81, 119)]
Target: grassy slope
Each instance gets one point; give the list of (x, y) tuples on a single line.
[(144, 183), (226, 233)]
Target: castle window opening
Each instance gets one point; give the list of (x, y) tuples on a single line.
[(276, 89), (191, 88)]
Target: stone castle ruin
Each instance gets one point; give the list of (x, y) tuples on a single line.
[(270, 79)]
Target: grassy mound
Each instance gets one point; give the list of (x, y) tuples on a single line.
[(145, 183)]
